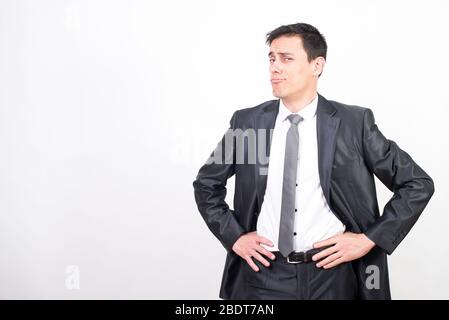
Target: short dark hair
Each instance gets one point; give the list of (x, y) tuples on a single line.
[(313, 41)]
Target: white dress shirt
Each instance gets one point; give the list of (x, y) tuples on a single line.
[(314, 221)]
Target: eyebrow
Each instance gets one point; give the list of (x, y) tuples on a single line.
[(281, 54)]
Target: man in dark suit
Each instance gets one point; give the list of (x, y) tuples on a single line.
[(306, 223)]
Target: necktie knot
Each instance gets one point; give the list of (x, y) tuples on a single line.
[(295, 119)]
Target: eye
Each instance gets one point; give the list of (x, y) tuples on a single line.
[(289, 59)]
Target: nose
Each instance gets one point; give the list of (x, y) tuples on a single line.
[(274, 67)]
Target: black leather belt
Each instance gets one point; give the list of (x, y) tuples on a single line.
[(299, 256)]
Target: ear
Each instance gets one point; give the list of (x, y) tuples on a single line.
[(318, 66)]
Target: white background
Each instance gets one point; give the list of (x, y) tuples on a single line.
[(109, 108)]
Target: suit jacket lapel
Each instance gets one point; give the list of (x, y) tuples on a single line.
[(327, 126), (265, 120)]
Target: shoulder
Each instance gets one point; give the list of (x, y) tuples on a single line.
[(345, 109), (245, 116), (251, 111), (351, 114)]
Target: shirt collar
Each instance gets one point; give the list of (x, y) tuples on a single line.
[(308, 112)]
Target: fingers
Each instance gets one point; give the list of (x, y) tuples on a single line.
[(326, 242), (251, 248), (322, 254), (252, 264), (261, 259), (264, 241), (334, 263), (266, 252), (329, 259), (257, 256)]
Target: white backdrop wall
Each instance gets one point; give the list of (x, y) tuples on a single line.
[(109, 108)]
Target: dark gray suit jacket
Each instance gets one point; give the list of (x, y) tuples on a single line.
[(351, 150)]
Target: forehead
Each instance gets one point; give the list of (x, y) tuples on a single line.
[(287, 44)]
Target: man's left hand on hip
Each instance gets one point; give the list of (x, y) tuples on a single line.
[(346, 247)]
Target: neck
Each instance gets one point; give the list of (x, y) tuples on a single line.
[(297, 103)]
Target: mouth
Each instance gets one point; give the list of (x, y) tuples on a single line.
[(275, 81)]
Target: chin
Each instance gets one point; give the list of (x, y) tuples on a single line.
[(277, 94)]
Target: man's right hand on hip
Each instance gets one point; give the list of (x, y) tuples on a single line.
[(248, 246)]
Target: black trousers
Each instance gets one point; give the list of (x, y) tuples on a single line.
[(303, 281)]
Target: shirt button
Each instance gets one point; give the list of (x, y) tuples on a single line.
[(296, 210), (294, 233), (296, 184)]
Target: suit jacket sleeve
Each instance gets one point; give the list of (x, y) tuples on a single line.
[(411, 186), (210, 191)]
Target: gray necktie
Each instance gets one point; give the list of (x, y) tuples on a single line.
[(289, 186)]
